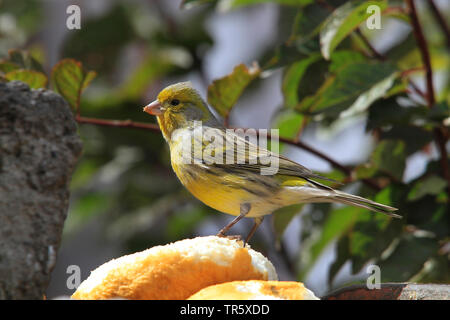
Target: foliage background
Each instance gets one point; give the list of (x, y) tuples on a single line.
[(363, 107)]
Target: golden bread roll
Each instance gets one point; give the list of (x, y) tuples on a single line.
[(255, 290), (176, 270)]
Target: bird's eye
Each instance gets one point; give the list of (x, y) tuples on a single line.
[(175, 102)]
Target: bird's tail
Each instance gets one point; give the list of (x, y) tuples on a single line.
[(346, 198)]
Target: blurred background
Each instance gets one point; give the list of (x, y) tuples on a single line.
[(124, 194)]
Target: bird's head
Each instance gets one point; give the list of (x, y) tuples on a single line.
[(179, 106)]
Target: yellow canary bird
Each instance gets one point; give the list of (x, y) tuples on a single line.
[(204, 157)]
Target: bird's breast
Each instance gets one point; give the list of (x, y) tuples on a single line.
[(225, 190)]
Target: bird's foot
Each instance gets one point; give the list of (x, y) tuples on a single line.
[(231, 237)]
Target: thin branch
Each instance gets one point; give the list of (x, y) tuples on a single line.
[(155, 128), (226, 120), (422, 44), (308, 148), (331, 161), (417, 90), (302, 127), (315, 152), (394, 10), (366, 41), (441, 21), (119, 123), (439, 132), (406, 73), (441, 141), (325, 5), (78, 103)]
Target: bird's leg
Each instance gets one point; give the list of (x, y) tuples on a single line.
[(244, 210), (258, 221)]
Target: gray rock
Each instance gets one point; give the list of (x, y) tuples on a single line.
[(39, 147)]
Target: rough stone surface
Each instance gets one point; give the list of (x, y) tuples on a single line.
[(39, 147)]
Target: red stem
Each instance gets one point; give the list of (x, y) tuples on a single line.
[(439, 132), (155, 128), (119, 123), (226, 120), (300, 130), (366, 41), (422, 44), (417, 90)]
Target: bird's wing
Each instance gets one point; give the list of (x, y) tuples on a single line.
[(249, 156)]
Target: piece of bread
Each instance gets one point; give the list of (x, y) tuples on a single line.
[(255, 290), (176, 270)]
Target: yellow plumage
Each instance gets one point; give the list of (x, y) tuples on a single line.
[(236, 188)]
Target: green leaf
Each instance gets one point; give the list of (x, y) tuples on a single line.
[(342, 58), (389, 156), (415, 137), (282, 217), (314, 76), (343, 90), (342, 254), (188, 4), (307, 22), (69, 79), (401, 15), (365, 170), (335, 174), (400, 51), (373, 232), (435, 270), (365, 239), (342, 21), (223, 93), (34, 79), (400, 86), (427, 213), (225, 5), (368, 237), (387, 112), (439, 113), (363, 102), (407, 258), (336, 224), (292, 77), (88, 79), (17, 56), (154, 65), (432, 185), (287, 54), (8, 66), (24, 60), (288, 122)]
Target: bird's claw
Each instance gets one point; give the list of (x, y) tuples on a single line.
[(232, 237)]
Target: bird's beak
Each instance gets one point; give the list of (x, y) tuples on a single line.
[(153, 108)]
